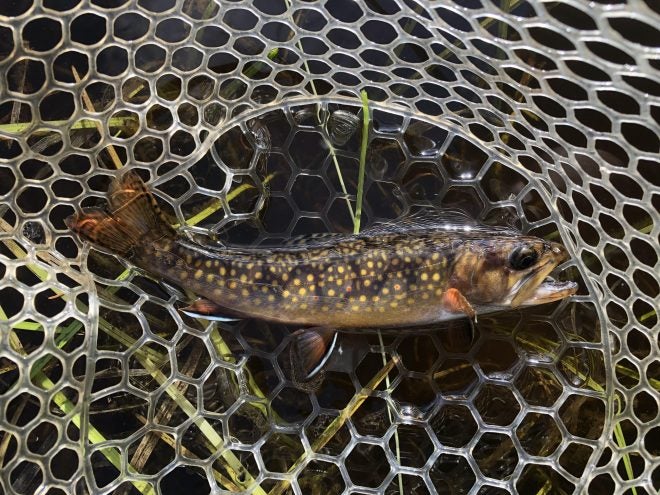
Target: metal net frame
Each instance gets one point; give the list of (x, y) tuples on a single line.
[(245, 118)]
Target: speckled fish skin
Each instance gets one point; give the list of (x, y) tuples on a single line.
[(378, 278)]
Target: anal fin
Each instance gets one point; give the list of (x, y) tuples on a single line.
[(208, 310), (313, 347)]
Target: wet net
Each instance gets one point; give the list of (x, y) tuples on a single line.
[(246, 119)]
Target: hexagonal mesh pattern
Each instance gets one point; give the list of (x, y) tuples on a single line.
[(245, 118)]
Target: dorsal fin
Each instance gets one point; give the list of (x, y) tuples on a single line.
[(436, 220)]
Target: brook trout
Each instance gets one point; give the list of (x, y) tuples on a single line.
[(413, 273)]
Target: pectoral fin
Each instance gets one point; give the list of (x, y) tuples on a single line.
[(454, 301), (203, 308), (313, 347)]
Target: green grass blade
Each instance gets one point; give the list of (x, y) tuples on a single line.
[(363, 160)]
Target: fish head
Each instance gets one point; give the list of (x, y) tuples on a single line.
[(511, 272)]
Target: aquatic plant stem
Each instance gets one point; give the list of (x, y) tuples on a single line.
[(363, 160), (618, 431), (66, 406), (356, 230), (621, 442), (150, 360), (339, 421), (89, 105), (328, 143), (397, 445)]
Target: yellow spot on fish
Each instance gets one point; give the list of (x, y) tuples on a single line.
[(310, 278), (394, 304), (386, 291), (436, 277), (296, 281), (223, 271), (362, 298), (425, 276), (285, 277), (232, 284), (271, 298), (245, 293), (209, 277), (286, 293), (435, 256), (340, 269), (302, 291), (331, 292), (367, 282), (243, 278), (207, 263), (198, 274), (370, 264), (355, 308), (258, 275)]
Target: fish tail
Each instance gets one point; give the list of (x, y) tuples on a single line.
[(134, 218)]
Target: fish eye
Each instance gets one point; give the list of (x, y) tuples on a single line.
[(522, 258)]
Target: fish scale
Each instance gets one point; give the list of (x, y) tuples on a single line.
[(313, 286)]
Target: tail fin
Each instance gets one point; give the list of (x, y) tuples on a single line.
[(134, 218)]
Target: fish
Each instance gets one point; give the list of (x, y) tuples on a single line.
[(419, 271)]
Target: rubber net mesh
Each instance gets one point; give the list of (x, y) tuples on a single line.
[(245, 118)]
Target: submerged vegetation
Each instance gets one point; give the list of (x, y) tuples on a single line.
[(151, 368)]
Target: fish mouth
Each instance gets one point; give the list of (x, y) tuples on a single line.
[(539, 288), (550, 290)]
